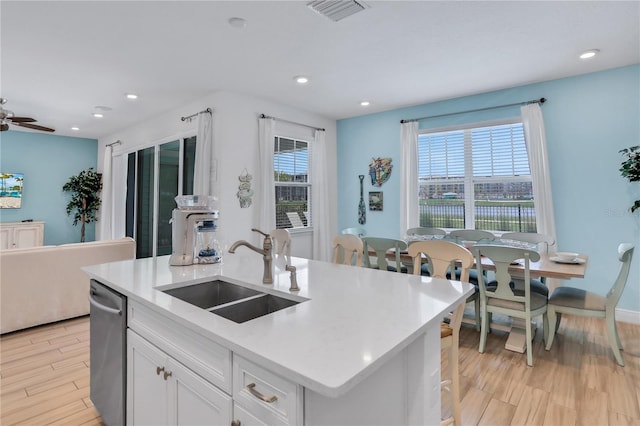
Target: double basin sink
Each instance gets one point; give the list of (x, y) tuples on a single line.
[(231, 301)]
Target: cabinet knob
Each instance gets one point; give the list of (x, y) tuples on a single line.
[(159, 370), (167, 374)]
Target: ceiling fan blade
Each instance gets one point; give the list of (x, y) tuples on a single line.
[(22, 119), (35, 127)]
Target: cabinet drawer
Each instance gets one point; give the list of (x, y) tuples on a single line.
[(205, 357), (266, 396)]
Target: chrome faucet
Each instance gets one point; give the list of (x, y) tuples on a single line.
[(267, 277)]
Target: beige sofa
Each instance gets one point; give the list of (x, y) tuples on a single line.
[(40, 285)]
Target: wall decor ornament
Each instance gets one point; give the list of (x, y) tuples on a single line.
[(362, 212), (375, 201), (380, 170), (245, 192)]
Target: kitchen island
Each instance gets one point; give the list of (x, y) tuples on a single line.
[(362, 346)]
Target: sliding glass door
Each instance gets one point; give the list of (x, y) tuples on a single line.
[(155, 176)]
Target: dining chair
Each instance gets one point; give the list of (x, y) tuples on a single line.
[(426, 232), (355, 231), (442, 255), (540, 240), (345, 248), (576, 301), (282, 241), (381, 246), (501, 298), (461, 236)]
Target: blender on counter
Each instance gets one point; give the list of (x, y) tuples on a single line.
[(193, 227)]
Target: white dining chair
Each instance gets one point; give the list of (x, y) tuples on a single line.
[(541, 241), (347, 247), (462, 236), (443, 256), (381, 246), (501, 298), (425, 231), (576, 301), (281, 241)]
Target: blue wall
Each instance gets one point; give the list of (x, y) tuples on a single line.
[(47, 162), (588, 119)]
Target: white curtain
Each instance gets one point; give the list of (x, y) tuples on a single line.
[(118, 208), (106, 207), (409, 215), (536, 142), (204, 173), (267, 189), (320, 198)]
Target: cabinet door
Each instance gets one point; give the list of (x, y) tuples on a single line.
[(26, 236), (195, 401), (147, 390), (6, 238), (245, 418)]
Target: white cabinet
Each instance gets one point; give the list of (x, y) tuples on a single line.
[(261, 397), (162, 391), (21, 234)]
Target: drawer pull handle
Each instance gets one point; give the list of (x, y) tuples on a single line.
[(254, 392), (167, 375), (159, 370)]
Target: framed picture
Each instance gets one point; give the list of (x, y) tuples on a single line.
[(375, 201)]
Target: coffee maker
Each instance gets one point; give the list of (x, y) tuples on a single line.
[(193, 226)]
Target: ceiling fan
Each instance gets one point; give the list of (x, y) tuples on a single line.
[(7, 117)]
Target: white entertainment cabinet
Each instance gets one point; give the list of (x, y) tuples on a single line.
[(21, 235)]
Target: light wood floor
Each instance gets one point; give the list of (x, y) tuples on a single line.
[(45, 378)]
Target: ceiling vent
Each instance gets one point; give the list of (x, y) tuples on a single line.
[(336, 9)]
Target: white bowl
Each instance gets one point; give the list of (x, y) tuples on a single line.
[(566, 256)]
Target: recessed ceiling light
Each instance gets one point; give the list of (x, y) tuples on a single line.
[(236, 22), (131, 96), (97, 115), (365, 103), (75, 128), (301, 79), (589, 53)]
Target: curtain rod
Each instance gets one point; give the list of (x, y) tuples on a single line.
[(291, 122), (534, 101), (114, 143), (189, 117)]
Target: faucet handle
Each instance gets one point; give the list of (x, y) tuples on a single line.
[(260, 232), (294, 281)]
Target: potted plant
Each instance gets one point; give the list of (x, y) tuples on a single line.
[(630, 168), (85, 198)]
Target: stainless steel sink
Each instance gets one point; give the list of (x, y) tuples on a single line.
[(253, 308), (213, 293), (231, 301)]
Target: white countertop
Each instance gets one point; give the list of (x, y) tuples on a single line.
[(355, 319)]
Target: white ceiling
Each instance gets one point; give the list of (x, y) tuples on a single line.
[(60, 59)]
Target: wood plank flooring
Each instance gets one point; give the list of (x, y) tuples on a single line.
[(44, 378)]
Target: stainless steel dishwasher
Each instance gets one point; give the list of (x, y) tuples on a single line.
[(108, 350)]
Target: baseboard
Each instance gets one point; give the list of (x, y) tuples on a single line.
[(624, 315)]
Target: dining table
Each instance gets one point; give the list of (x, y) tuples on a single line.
[(549, 266)]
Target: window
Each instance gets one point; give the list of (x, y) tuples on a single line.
[(154, 177), (476, 178), (291, 177)]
